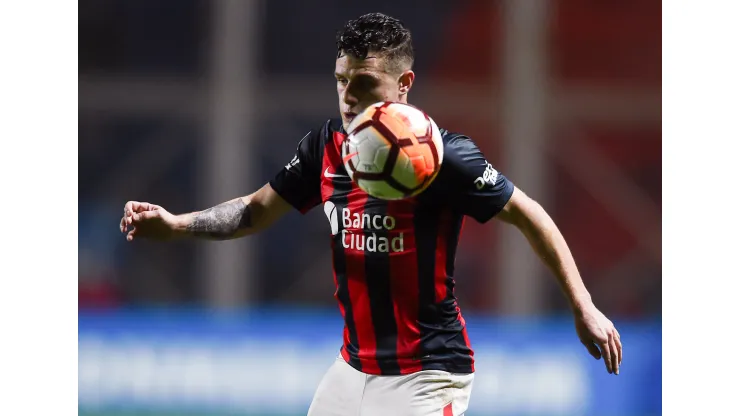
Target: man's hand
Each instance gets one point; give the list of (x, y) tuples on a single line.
[(600, 337), (147, 221), (596, 332), (236, 218)]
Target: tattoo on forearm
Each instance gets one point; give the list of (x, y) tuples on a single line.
[(222, 221)]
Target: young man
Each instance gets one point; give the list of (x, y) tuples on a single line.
[(406, 349)]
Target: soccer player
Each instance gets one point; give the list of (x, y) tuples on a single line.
[(405, 346)]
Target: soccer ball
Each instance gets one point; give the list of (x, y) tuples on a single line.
[(392, 151)]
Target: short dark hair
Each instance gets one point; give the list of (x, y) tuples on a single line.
[(376, 32)]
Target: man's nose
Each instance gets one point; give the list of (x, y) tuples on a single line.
[(349, 99)]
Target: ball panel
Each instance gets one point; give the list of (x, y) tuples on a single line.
[(358, 120), (413, 118), (424, 154), (381, 156), (404, 172), (420, 170), (395, 124), (367, 149)]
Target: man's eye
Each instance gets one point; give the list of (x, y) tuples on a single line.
[(342, 81)]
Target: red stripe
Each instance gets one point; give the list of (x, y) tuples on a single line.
[(356, 283), (405, 286), (440, 264), (327, 189), (332, 160), (345, 334), (447, 411), (338, 140)]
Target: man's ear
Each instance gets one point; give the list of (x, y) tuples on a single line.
[(405, 81)]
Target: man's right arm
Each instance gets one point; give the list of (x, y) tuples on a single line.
[(232, 219), (236, 218)]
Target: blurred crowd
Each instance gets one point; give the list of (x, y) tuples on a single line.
[(602, 158)]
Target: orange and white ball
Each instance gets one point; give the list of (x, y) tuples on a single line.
[(393, 150)]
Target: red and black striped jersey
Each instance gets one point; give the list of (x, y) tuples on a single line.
[(394, 261)]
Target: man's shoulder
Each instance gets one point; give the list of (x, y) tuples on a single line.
[(335, 125), (325, 131), (331, 126), (456, 141)]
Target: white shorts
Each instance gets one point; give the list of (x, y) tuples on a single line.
[(345, 391)]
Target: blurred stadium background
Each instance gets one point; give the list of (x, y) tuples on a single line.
[(189, 103)]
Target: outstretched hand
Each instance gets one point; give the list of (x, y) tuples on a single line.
[(600, 337), (145, 220)]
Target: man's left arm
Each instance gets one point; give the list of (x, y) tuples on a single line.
[(480, 191), (595, 331)]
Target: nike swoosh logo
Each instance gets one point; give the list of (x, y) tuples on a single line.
[(333, 175), (349, 156)]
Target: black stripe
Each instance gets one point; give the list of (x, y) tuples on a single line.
[(460, 358), (452, 241), (455, 222), (378, 282), (426, 225), (442, 342)]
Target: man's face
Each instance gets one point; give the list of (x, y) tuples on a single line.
[(363, 82)]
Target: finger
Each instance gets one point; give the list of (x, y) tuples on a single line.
[(122, 224), (132, 207), (618, 342), (129, 207), (614, 353), (146, 215), (145, 206), (131, 234), (128, 211), (592, 349), (607, 356)]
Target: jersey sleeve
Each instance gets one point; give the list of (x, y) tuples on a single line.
[(299, 181), (478, 189)]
